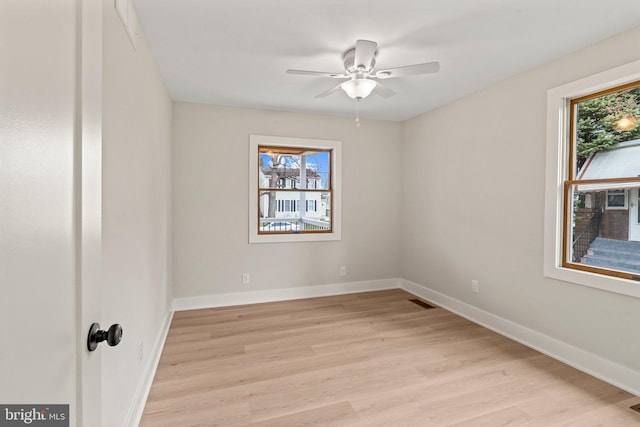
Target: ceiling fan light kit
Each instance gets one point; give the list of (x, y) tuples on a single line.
[(358, 88), (358, 68)]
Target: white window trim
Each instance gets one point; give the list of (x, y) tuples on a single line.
[(556, 171), (336, 179)]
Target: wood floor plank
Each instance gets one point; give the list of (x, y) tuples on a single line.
[(617, 415), (332, 386), (370, 359), (568, 400), (511, 416), (264, 359), (326, 416), (251, 374), (235, 415)]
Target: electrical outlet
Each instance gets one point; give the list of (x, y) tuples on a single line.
[(475, 286), (343, 270), (246, 278)]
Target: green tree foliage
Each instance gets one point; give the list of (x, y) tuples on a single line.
[(598, 119)]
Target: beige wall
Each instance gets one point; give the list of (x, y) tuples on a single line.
[(474, 175), (136, 288), (210, 203)]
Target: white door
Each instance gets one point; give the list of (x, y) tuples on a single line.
[(50, 204), (634, 214), (49, 214)]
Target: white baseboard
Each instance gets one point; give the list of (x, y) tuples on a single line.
[(136, 409), (594, 365), (284, 294)]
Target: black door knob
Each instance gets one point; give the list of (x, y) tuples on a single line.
[(111, 336)]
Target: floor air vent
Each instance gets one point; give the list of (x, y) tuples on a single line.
[(636, 407), (421, 303)]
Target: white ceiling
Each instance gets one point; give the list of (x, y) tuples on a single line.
[(236, 52)]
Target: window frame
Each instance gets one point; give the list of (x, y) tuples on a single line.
[(559, 173), (573, 180), (257, 141)]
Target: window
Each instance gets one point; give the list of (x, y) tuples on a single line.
[(604, 164), (616, 199), (312, 205), (304, 205), (592, 236)]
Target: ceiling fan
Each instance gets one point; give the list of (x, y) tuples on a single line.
[(359, 65)]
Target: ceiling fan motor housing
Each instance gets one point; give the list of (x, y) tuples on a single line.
[(351, 67)]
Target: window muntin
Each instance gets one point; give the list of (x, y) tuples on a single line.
[(604, 165)]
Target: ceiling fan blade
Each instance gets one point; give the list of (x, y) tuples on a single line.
[(317, 73), (328, 92), (383, 91), (409, 70), (365, 52)]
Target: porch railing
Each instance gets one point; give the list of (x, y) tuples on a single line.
[(314, 224), (582, 242), (292, 224)]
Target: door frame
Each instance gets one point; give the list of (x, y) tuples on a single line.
[(88, 206)]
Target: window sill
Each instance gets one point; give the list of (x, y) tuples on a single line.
[(594, 280)]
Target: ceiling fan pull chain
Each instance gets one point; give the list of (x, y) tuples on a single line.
[(358, 112)]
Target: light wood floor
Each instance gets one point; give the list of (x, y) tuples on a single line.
[(372, 359)]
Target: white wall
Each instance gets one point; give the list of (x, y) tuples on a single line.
[(474, 176), (136, 212), (210, 203), (37, 277)]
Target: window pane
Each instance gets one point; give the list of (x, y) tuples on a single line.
[(284, 175), (316, 217), (607, 129), (294, 168), (600, 236)]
